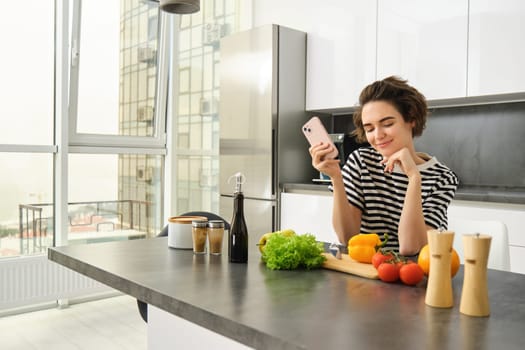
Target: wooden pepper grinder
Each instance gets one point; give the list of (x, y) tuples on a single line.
[(474, 296), (439, 286)]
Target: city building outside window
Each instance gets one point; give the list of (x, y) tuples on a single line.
[(196, 107)]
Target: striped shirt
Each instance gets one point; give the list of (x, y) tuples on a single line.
[(380, 195)]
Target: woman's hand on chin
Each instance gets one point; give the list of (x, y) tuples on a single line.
[(404, 159)]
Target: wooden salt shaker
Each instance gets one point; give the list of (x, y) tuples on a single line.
[(439, 286), (474, 296)]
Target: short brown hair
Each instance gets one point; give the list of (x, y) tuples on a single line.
[(409, 102)]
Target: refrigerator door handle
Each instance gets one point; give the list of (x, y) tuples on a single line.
[(275, 224), (275, 162)]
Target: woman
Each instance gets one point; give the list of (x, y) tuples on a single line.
[(388, 187)]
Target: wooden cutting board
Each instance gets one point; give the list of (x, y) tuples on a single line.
[(349, 265)]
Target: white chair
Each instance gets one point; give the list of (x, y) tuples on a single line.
[(499, 256)]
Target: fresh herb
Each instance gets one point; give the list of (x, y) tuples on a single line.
[(293, 252)]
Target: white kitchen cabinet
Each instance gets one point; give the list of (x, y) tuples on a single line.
[(169, 331), (309, 213), (341, 49), (496, 47), (512, 215), (517, 259), (424, 42)]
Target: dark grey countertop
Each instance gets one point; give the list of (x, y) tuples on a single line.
[(300, 309)]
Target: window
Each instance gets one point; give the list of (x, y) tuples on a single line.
[(117, 124), (114, 85), (124, 200), (26, 85), (104, 155), (26, 213), (26, 132)]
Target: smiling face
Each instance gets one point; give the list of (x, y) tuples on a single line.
[(385, 128)]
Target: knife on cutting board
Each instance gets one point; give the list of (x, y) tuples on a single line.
[(349, 265)]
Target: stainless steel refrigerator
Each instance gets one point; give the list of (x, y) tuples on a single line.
[(261, 111)]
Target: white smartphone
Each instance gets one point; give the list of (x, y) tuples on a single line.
[(315, 133)]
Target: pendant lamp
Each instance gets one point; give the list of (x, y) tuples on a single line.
[(180, 6)]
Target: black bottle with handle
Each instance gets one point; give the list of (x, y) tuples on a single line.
[(238, 234)]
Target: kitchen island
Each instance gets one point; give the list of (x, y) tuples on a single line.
[(301, 309)]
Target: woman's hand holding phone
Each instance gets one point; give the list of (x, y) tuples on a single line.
[(322, 148), (327, 166), (315, 133)]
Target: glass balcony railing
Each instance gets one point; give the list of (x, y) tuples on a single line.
[(89, 222)]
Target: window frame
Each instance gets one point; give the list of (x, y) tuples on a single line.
[(67, 139), (155, 143)]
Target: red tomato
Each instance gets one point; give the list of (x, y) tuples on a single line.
[(411, 274), (379, 258), (388, 272)]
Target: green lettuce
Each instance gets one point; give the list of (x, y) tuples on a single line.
[(289, 253)]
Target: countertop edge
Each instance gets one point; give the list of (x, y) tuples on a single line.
[(510, 97), (492, 195)]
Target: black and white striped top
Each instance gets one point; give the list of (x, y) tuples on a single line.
[(380, 195)]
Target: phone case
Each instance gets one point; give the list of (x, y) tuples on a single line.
[(315, 133)]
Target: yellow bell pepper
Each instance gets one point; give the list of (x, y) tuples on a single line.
[(363, 246)]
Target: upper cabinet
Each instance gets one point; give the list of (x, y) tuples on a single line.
[(341, 49), (448, 49), (496, 60), (424, 42)]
